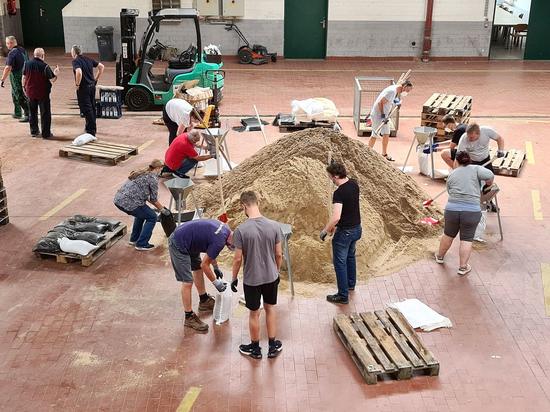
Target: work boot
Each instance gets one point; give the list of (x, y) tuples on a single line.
[(194, 322), (336, 298), (207, 305)]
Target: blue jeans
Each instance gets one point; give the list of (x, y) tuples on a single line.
[(343, 252), (145, 219), (186, 166)]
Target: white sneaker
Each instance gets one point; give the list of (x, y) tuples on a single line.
[(462, 271), (439, 259)]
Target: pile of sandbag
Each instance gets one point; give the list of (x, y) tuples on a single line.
[(316, 109), (78, 234)]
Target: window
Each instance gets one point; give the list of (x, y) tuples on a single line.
[(166, 4)]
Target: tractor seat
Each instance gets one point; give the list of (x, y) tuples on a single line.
[(172, 73), (180, 65)]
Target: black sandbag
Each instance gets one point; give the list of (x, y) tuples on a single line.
[(88, 227), (168, 223), (90, 237), (82, 219), (47, 245), (63, 231), (111, 223)]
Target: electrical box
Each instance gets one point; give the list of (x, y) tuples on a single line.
[(233, 8), (207, 7)]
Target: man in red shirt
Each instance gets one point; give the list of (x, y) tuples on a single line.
[(181, 155)]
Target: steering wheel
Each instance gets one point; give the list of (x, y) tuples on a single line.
[(162, 46), (187, 55)]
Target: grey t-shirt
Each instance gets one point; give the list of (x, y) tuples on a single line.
[(478, 149), (389, 93), (257, 239), (464, 183)]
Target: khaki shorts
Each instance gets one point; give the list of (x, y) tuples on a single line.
[(376, 122)]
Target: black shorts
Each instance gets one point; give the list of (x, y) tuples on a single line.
[(253, 294), (463, 222), (488, 166), (453, 154)]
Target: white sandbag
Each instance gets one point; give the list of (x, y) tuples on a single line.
[(425, 166), (222, 307), (318, 109), (83, 139), (80, 247), (482, 225), (420, 315), (211, 167)]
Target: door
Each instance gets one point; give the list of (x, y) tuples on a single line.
[(305, 29), (43, 22), (539, 31)]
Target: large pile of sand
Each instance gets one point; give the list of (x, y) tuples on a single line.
[(290, 178)]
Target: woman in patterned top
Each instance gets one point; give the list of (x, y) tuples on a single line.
[(140, 188)]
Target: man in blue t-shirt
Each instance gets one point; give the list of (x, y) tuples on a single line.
[(185, 245), (85, 82), (17, 57)]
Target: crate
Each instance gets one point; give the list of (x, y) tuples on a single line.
[(439, 105), (366, 91), (383, 345), (109, 104), (108, 110)]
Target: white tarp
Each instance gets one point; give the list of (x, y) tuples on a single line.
[(420, 315)]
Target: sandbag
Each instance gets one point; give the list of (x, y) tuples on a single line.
[(62, 231), (59, 232), (222, 306), (111, 223), (482, 225), (89, 227), (82, 218), (47, 245), (83, 139), (80, 247), (168, 223)]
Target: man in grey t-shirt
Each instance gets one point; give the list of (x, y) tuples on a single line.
[(258, 242), (476, 141)]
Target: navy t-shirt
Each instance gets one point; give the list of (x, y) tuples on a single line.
[(16, 59), (201, 236), (458, 132), (87, 66)]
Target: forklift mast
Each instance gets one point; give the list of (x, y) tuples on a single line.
[(126, 66)]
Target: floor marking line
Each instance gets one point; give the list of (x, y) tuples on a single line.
[(145, 145), (189, 399), (61, 205), (530, 153), (545, 274), (537, 206)]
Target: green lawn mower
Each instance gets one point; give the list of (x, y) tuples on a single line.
[(142, 88)]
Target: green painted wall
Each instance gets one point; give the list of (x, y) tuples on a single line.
[(538, 37)]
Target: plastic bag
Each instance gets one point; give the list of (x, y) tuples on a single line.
[(47, 245), (80, 247), (482, 225), (88, 227), (61, 231), (82, 218), (168, 224), (222, 307), (83, 139), (112, 224)]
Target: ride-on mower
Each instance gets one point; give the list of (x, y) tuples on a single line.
[(143, 88), (255, 54)]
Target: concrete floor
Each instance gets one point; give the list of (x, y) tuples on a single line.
[(110, 337)]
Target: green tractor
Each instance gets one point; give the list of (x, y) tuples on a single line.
[(142, 89)]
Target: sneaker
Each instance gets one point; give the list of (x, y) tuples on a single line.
[(24, 119), (388, 158), (351, 288), (180, 176), (207, 305), (464, 270), (439, 259), (194, 322), (336, 298), (254, 351), (15, 116), (146, 247), (275, 349), (50, 136), (131, 243), (35, 134)]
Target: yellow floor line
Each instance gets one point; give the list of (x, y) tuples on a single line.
[(537, 206), (529, 152), (189, 399), (64, 203), (545, 273), (145, 145)]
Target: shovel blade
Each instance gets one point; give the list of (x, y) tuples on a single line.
[(429, 221)]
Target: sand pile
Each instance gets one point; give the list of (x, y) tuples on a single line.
[(289, 176)]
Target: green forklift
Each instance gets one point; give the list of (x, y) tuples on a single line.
[(143, 89)]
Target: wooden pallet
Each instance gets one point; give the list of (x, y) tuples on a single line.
[(103, 152), (288, 128), (110, 239), (383, 345), (509, 165)]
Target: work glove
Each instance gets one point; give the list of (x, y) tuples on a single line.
[(220, 285), (2, 83), (218, 273), (501, 153), (397, 101), (234, 284), (383, 116), (165, 211), (433, 149), (486, 189), (323, 235)]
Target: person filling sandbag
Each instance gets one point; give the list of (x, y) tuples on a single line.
[(178, 115), (181, 156), (140, 188)]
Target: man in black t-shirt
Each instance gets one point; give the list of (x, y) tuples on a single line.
[(345, 224), (14, 69), (458, 130), (85, 81)]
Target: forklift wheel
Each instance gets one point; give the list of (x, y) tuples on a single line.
[(138, 99), (245, 55)]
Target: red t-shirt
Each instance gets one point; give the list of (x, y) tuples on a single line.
[(180, 149)]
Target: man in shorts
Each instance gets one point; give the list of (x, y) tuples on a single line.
[(449, 122), (185, 245), (258, 243), (380, 112)]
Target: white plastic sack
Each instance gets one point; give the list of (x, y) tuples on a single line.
[(425, 165), (80, 247), (211, 167), (482, 225), (420, 315), (319, 109), (222, 307), (83, 139), (212, 49)]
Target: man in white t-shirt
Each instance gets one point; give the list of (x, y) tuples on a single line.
[(476, 143), (380, 111), (178, 115)]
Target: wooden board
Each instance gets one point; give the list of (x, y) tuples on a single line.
[(103, 152), (110, 239), (511, 164), (383, 345)]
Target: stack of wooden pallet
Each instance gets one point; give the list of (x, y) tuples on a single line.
[(4, 218), (439, 105)]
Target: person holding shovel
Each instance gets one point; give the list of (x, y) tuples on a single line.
[(463, 210), (380, 113), (345, 224), (185, 245)]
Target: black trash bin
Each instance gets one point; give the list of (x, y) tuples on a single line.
[(104, 36)]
